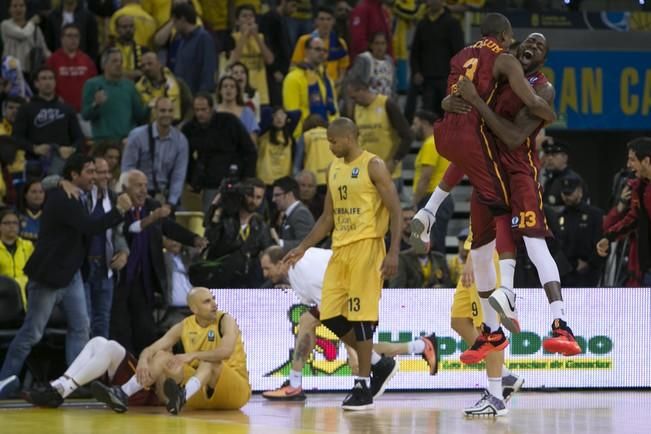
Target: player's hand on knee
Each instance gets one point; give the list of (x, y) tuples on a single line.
[(143, 374)]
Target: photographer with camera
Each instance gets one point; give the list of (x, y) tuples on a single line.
[(237, 234)]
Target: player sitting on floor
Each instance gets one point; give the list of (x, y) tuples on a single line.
[(212, 369)]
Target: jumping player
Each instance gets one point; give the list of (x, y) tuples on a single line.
[(516, 130), (306, 279), (359, 199), (212, 368)]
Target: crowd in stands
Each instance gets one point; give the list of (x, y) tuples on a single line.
[(230, 102)]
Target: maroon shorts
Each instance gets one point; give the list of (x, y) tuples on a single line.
[(527, 212), (474, 152), (482, 222), (125, 371)]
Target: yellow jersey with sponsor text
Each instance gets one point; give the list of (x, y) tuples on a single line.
[(196, 338), (357, 207)]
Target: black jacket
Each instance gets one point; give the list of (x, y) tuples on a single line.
[(63, 239), (50, 122), (434, 44), (276, 36), (89, 41), (218, 145), (167, 227)]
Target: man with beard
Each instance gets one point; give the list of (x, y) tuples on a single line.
[(516, 128)]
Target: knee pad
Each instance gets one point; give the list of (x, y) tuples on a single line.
[(363, 330), (338, 325), (484, 268)]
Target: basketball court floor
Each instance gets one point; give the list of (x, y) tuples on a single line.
[(531, 413)]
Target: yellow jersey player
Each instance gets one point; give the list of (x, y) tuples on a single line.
[(359, 200), (210, 374), (467, 320)]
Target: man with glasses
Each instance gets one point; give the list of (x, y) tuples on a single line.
[(308, 88), (72, 67)]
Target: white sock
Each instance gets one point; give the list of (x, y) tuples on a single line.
[(295, 378), (507, 270), (192, 386), (65, 386), (416, 347), (505, 371), (367, 380), (90, 350), (435, 200), (375, 357), (558, 309), (495, 387), (491, 318), (131, 387)]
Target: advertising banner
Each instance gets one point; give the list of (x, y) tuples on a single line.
[(612, 325), (601, 90)]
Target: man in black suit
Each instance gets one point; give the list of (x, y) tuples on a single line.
[(297, 220), (143, 280), (54, 267)]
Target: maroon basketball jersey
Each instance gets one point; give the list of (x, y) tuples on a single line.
[(475, 62), (507, 105)]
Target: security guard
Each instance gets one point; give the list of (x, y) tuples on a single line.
[(556, 168), (580, 229)]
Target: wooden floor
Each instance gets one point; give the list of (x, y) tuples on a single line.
[(531, 413)]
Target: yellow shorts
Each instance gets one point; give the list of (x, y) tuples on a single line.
[(231, 392), (466, 304), (352, 284)]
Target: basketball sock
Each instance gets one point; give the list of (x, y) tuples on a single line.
[(132, 386), (191, 387), (538, 252), (366, 380), (64, 385), (295, 378), (507, 271), (558, 309), (416, 347), (375, 357), (505, 371), (495, 387), (435, 200), (491, 319)]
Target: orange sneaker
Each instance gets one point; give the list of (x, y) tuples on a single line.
[(285, 393), (431, 353), (562, 340), (486, 343)]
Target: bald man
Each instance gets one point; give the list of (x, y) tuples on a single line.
[(211, 373), (158, 81), (360, 198)]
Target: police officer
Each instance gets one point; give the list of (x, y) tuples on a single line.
[(580, 227), (556, 168)]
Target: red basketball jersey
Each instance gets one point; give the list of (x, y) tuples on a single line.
[(507, 105), (476, 63)]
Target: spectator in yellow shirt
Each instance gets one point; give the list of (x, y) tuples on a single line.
[(14, 251), (161, 10), (145, 24), (337, 61), (308, 88), (429, 168)]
